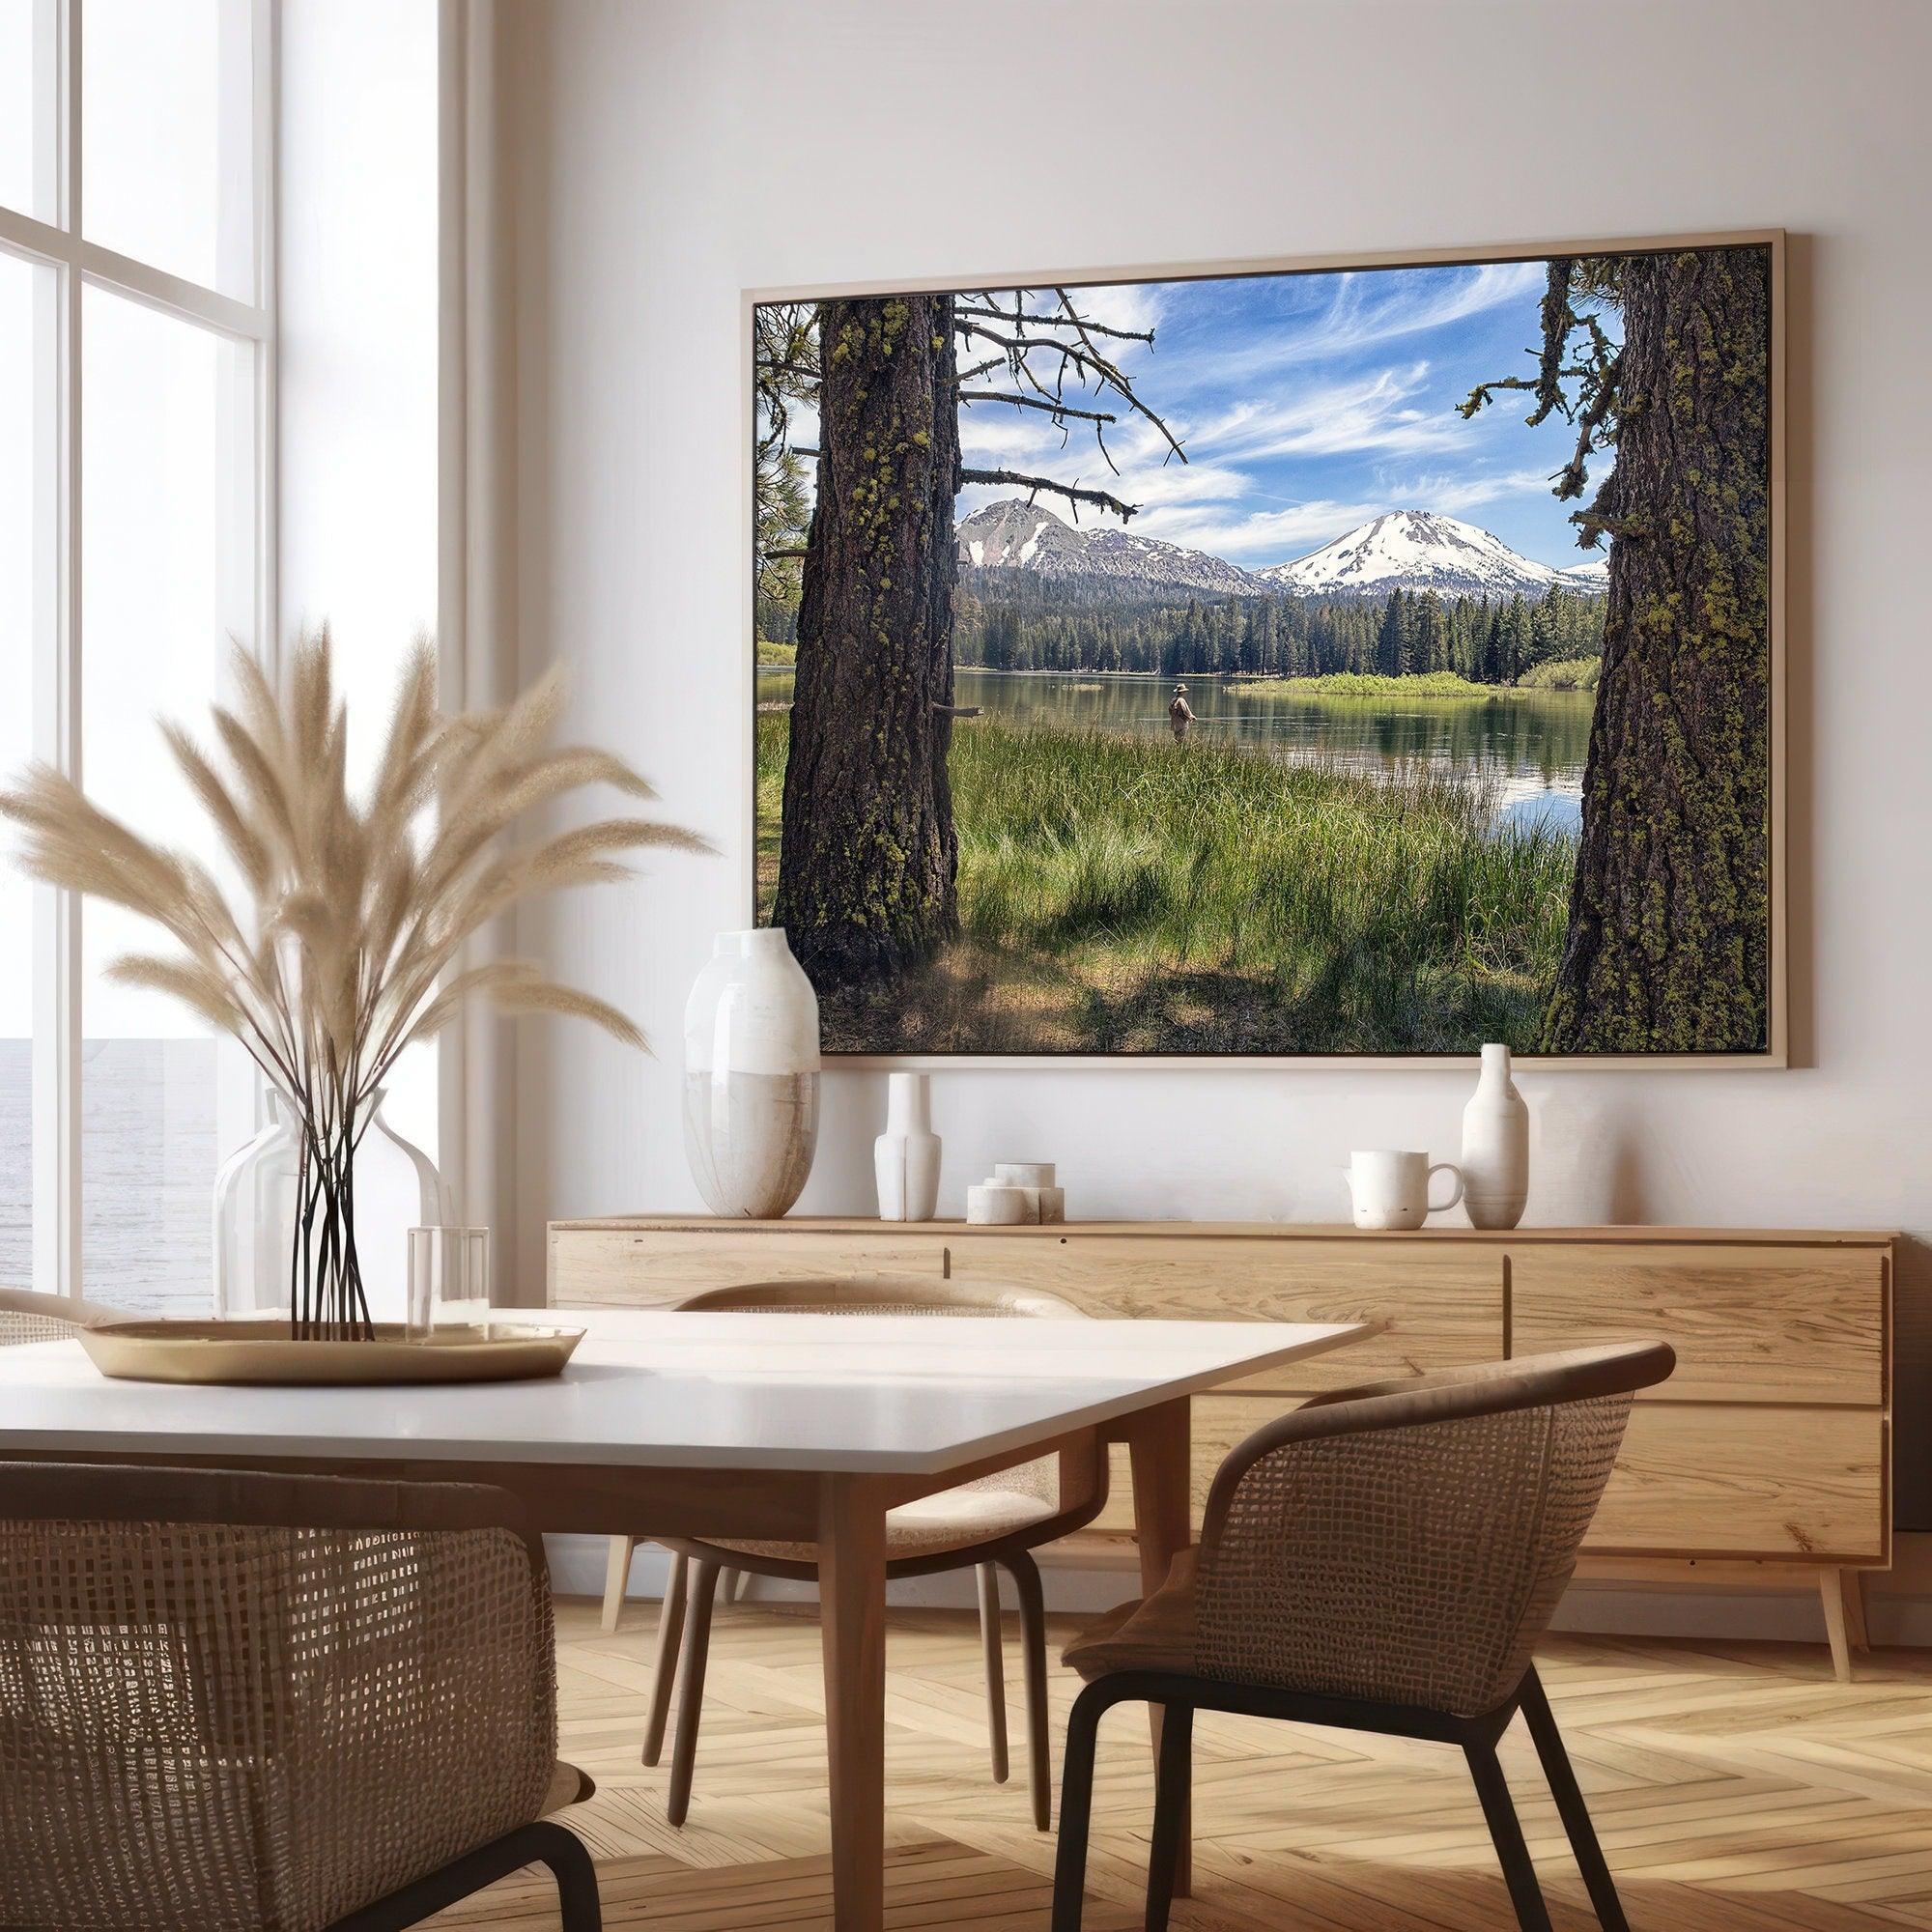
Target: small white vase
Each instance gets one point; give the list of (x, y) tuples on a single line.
[(905, 1157), (1495, 1147), (750, 1076)]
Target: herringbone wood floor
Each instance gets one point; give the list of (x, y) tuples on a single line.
[(1737, 1789)]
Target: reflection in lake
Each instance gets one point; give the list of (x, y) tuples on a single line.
[(1526, 748)]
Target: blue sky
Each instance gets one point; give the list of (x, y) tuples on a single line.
[(1308, 404)]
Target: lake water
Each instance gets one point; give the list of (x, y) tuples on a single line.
[(1525, 748)]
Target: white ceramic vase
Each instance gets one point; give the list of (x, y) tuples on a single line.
[(750, 1076), (1495, 1147), (905, 1157)]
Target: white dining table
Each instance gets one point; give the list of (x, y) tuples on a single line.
[(776, 1427)]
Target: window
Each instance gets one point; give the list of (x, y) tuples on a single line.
[(137, 346)]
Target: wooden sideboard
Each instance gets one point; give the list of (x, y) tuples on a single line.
[(1766, 1458)]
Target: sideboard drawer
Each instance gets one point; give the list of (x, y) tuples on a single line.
[(1747, 1481), (1735, 1482), (659, 1268), (1439, 1308), (1748, 1323)]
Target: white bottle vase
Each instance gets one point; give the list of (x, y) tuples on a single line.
[(750, 1076), (905, 1157), (1495, 1147)]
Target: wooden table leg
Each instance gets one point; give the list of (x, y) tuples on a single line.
[(852, 1609), (1162, 1444)]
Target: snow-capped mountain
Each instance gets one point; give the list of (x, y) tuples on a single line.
[(1592, 577), (1417, 549), (1017, 535), (1403, 549)]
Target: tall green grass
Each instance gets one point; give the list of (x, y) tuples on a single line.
[(1124, 893), (1562, 674)]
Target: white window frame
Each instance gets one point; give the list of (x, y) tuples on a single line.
[(59, 637)]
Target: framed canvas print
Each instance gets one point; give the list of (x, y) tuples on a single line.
[(1352, 660)]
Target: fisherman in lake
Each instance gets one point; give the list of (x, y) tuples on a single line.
[(1179, 716)]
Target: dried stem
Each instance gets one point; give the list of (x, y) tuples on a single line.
[(341, 954)]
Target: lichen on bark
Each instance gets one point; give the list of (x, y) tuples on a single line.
[(1669, 932), (867, 854)]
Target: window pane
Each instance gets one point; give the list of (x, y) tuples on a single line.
[(17, 715), (26, 106), (166, 577), (167, 159)]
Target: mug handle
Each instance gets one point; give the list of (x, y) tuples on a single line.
[(1445, 1167)]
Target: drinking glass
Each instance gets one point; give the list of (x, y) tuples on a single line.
[(449, 1279)]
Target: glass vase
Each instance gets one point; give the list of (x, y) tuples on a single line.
[(258, 1233), (397, 1189), (255, 1221)]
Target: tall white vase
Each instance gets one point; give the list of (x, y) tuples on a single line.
[(1495, 1147), (750, 1076), (905, 1157)]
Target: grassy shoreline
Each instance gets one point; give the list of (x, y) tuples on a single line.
[(1372, 684), (1121, 895)]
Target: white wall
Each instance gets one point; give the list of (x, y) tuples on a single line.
[(667, 155)]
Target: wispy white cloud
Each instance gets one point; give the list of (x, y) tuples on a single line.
[(1370, 308), (1258, 537), (1452, 494), (1373, 411)]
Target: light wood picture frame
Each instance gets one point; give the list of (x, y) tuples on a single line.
[(887, 1027)]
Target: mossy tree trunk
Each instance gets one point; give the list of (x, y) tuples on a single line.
[(867, 854), (1668, 948)]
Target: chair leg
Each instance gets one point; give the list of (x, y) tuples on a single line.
[(616, 1575), (1174, 1782), (1076, 1806), (1532, 1915), (728, 1583), (540, 1842), (570, 1863), (671, 1629), (996, 1673), (690, 1678), (1570, 1806), (1025, 1573)]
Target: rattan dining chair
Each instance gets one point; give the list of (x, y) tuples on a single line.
[(986, 1525), (1382, 1559), (261, 1703), (29, 1317)]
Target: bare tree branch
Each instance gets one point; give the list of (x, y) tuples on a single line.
[(1051, 405), (1038, 483), (1085, 356), (991, 314), (1114, 375)]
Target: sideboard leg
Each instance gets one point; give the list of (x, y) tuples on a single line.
[(1831, 1594), (1854, 1582)]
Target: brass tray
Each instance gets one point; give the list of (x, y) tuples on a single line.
[(264, 1352)]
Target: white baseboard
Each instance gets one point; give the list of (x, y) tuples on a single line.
[(1898, 1603)]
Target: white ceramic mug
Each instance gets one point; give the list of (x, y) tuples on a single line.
[(1390, 1187)]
